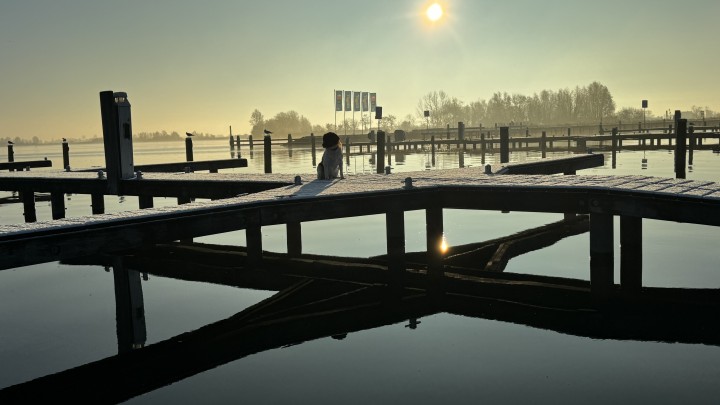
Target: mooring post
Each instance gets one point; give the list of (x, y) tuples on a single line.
[(250, 142), (57, 201), (188, 149), (184, 199), (680, 148), (117, 138), (145, 201), (601, 254), (691, 143), (237, 140), (448, 132), (267, 144), (434, 237), (347, 152), (11, 153), (395, 231), (543, 147), (294, 239), (504, 144), (97, 202), (614, 145), (380, 160), (28, 199), (389, 149), (631, 253), (66, 154), (232, 142), (461, 133)]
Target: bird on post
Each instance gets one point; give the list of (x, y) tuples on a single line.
[(10, 142), (64, 140), (267, 132), (189, 134)]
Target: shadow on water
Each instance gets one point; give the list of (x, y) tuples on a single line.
[(329, 296)]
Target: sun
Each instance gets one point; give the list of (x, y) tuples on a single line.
[(434, 12)]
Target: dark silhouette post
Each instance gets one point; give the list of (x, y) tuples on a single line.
[(312, 149), (129, 308), (250, 142), (11, 153), (504, 144), (395, 234), (631, 253), (543, 146), (461, 133), (691, 142), (97, 201), (380, 161), (66, 154), (28, 199), (434, 237), (117, 138), (268, 153), (237, 140), (294, 239), (57, 202), (232, 142), (601, 254), (188, 149), (145, 201), (614, 145), (432, 149), (680, 148)]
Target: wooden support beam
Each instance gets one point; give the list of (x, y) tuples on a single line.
[(97, 203), (395, 231), (145, 201), (631, 253), (57, 201), (28, 199), (253, 238), (601, 254), (294, 239), (434, 232), (504, 144)]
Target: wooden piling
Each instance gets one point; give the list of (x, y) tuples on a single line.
[(312, 149), (97, 202), (250, 142), (482, 147), (601, 254), (253, 236), (57, 202), (434, 238), (380, 159), (294, 239), (461, 132), (66, 155), (504, 144), (543, 146), (432, 150), (614, 146), (347, 152), (395, 231), (631, 253), (448, 132), (680, 148), (11, 153), (28, 199), (232, 142), (145, 201), (237, 141), (267, 141), (691, 144), (184, 200), (188, 149)]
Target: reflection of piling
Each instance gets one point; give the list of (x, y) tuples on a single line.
[(504, 144), (66, 155), (543, 148), (680, 148), (432, 149), (312, 149), (380, 160), (289, 143), (614, 143), (188, 149), (267, 152), (461, 158)]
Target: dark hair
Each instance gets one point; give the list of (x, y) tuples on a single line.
[(330, 139)]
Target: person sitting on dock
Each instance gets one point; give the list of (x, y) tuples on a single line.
[(332, 160)]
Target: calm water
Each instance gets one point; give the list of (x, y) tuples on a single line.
[(57, 316)]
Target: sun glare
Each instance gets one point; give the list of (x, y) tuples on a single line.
[(434, 12)]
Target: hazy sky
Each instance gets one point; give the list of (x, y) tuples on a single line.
[(203, 65)]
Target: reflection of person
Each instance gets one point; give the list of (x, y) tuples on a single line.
[(332, 160)]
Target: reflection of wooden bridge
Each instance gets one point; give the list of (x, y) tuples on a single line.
[(322, 296)]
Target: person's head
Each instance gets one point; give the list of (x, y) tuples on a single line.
[(330, 139)]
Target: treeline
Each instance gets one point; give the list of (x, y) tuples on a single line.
[(160, 136)]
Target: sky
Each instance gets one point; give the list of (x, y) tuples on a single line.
[(203, 66)]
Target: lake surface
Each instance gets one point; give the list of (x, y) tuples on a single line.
[(58, 316)]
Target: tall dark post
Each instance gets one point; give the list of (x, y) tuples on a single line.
[(188, 149), (117, 138), (232, 143), (11, 153), (380, 160), (691, 142), (395, 230), (389, 148), (614, 143), (434, 238), (347, 152), (250, 142), (312, 149), (268, 153), (543, 146), (461, 132), (482, 147), (253, 237), (66, 155), (294, 239), (237, 140), (432, 149), (448, 132), (145, 201), (504, 144), (129, 308), (680, 148)]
